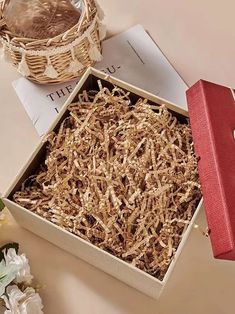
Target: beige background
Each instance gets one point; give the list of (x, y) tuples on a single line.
[(198, 38)]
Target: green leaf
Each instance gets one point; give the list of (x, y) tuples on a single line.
[(7, 275), (8, 246), (2, 206)]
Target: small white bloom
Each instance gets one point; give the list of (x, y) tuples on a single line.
[(26, 302), (11, 299), (23, 274)]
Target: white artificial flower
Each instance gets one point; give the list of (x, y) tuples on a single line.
[(11, 299), (23, 274), (7, 275), (26, 302)]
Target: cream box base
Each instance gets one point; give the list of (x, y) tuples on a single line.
[(115, 267)]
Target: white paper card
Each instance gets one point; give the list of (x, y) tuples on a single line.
[(131, 56)]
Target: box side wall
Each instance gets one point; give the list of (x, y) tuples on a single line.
[(182, 243), (138, 91), (86, 251)]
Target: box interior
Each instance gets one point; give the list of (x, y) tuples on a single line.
[(90, 84)]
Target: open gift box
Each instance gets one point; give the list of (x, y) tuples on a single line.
[(209, 172)]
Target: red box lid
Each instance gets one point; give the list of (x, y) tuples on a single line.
[(212, 118)]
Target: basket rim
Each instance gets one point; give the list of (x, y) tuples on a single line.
[(51, 51), (74, 30)]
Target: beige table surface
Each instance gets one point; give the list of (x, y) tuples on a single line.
[(198, 37)]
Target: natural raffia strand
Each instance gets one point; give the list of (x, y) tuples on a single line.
[(122, 177)]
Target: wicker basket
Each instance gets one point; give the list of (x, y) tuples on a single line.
[(61, 58)]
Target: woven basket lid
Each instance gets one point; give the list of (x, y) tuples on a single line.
[(212, 117)]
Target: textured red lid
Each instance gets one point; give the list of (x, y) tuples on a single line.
[(212, 118)]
